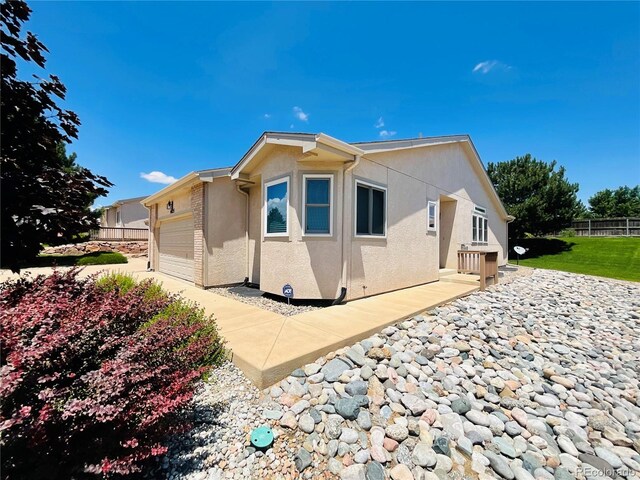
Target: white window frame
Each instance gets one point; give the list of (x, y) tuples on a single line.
[(118, 217), (355, 209), (265, 188), (479, 215), (431, 203), (323, 176)]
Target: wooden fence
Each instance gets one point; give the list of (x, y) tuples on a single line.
[(120, 234), (480, 263), (607, 227)]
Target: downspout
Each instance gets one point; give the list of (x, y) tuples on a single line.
[(246, 232), (343, 258)]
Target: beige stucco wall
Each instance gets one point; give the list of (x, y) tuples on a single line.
[(255, 231), (133, 215), (312, 265), (451, 171), (225, 241), (409, 255)]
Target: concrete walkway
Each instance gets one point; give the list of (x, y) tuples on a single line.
[(268, 346)]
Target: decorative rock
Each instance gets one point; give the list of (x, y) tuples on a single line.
[(423, 456), (414, 404), (288, 420), (335, 467), (354, 472), (332, 428), (357, 388), (302, 459), (375, 471), (333, 369), (364, 419), (441, 445), (349, 436), (397, 432), (499, 464), (306, 423), (348, 408), (401, 472), (461, 405)]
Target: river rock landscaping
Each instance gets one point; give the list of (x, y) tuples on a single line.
[(537, 378)]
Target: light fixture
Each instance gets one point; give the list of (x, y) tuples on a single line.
[(170, 206)]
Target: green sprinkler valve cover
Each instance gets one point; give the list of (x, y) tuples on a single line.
[(262, 437)]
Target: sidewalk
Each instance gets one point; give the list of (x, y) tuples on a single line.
[(268, 346)]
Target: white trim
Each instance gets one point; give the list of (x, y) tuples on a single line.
[(328, 176), (355, 209), (118, 217), (265, 187), (435, 216)]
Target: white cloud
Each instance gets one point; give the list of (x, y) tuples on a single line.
[(158, 177), (387, 133), (379, 123), (300, 114), (278, 203), (267, 116), (489, 65)]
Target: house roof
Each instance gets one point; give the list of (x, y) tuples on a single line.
[(121, 202), (313, 142), (392, 145), (309, 142), (202, 175)]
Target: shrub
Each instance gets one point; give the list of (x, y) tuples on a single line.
[(102, 259), (94, 373), (567, 232)]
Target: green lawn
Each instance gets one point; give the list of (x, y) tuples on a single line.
[(617, 257), (98, 258)]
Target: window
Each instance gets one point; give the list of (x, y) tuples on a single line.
[(118, 218), (317, 216), (431, 216), (276, 208), (370, 209), (480, 225)]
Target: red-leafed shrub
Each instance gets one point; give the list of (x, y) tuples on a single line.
[(94, 372)]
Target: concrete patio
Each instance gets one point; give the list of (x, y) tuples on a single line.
[(268, 346)]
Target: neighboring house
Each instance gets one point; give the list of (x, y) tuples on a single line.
[(129, 213), (323, 215)]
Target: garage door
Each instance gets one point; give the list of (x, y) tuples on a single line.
[(176, 248)]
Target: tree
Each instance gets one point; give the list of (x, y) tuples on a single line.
[(275, 219), (44, 196), (622, 202), (539, 196)]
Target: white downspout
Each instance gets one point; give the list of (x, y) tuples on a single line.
[(246, 223), (345, 240)]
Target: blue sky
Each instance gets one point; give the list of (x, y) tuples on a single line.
[(175, 87)]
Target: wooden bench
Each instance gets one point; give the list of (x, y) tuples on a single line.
[(477, 262)]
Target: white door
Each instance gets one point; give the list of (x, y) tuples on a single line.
[(176, 248)]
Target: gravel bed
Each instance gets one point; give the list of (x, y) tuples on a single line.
[(267, 303), (535, 378)]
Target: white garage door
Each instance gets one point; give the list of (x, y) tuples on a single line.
[(176, 248)]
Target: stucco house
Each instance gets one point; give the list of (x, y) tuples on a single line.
[(328, 217), (128, 213)]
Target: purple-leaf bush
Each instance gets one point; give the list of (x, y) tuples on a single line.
[(94, 373)]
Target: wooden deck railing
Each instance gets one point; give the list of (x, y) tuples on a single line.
[(120, 234), (480, 263)]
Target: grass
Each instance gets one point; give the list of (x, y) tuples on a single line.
[(97, 258), (613, 257)]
